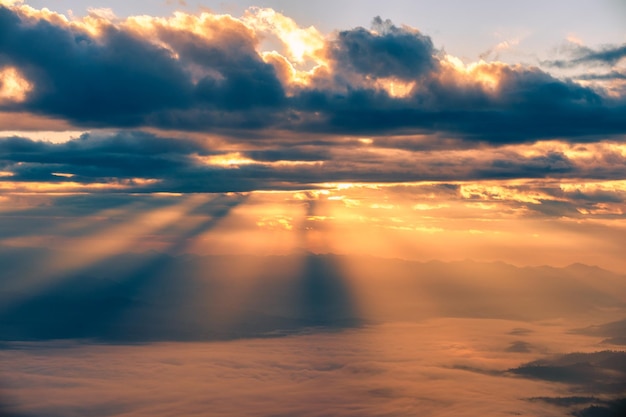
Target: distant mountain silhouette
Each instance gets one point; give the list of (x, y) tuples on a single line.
[(600, 372), (615, 332), (153, 296)]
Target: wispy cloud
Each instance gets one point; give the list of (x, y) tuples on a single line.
[(608, 55)]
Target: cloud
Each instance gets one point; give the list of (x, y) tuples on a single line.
[(96, 159), (608, 55), (106, 74), (490, 102), (555, 180), (114, 79), (379, 369), (236, 76), (613, 75), (500, 47), (384, 52), (211, 72)]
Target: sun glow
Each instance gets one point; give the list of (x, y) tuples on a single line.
[(14, 87), (228, 160), (395, 88)]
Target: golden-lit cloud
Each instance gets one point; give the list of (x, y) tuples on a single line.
[(301, 44), (481, 73), (496, 192), (617, 186)]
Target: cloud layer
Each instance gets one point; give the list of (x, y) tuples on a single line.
[(438, 367), (135, 161)]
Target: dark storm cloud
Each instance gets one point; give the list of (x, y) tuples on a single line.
[(120, 79), (519, 331), (96, 158), (388, 51), (175, 164), (526, 105), (129, 157), (113, 80), (523, 105), (175, 78), (240, 79), (530, 104)]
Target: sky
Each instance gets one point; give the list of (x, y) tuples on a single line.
[(221, 177), (490, 132)]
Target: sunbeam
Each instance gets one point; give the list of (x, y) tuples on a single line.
[(76, 253), (305, 209)]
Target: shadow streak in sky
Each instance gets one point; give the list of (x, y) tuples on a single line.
[(159, 297)]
